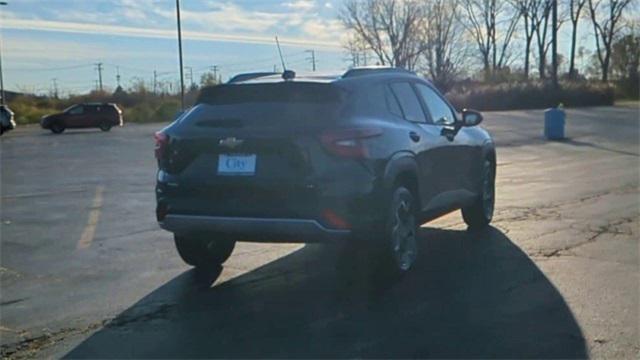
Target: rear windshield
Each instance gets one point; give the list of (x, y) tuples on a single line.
[(282, 92)]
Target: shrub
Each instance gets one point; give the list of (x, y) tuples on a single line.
[(27, 111), (529, 95), (166, 111)]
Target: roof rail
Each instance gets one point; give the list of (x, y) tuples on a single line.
[(250, 76), (373, 70)]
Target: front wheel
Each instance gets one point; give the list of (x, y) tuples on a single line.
[(480, 213), (57, 128), (203, 251), (105, 126)]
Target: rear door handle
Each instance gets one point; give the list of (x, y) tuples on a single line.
[(414, 136)]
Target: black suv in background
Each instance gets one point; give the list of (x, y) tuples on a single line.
[(91, 115), (366, 156)]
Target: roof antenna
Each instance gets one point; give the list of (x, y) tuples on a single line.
[(286, 74)]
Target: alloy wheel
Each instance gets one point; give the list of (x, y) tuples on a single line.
[(403, 234)]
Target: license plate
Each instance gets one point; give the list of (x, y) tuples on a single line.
[(237, 164)]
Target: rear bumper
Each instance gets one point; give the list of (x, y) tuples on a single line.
[(254, 229)]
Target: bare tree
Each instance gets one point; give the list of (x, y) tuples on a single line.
[(540, 12), (575, 7), (540, 15), (491, 24), (392, 29), (526, 9), (605, 17), (444, 46)]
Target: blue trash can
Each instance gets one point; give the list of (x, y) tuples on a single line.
[(554, 120)]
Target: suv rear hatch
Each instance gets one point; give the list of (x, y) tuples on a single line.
[(250, 150)]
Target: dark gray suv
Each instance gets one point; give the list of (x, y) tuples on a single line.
[(365, 156)]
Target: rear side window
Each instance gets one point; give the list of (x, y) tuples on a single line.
[(392, 103), (409, 102)]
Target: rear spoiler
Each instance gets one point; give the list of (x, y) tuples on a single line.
[(249, 76)]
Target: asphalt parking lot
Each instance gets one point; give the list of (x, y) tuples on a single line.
[(86, 272)]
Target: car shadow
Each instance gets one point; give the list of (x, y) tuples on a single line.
[(470, 295), (74, 132)]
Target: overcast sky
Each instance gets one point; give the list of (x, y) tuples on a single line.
[(64, 39)]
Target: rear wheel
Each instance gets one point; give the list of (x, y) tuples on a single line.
[(399, 243), (105, 126), (481, 212), (203, 251), (57, 128)]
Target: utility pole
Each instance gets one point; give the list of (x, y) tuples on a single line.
[(1, 77), (3, 3), (554, 45), (214, 68), (54, 82), (190, 74), (118, 76), (155, 82), (312, 59), (180, 55), (99, 68)]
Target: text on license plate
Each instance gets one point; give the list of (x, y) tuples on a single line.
[(237, 164)]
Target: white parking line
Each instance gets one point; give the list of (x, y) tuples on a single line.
[(94, 215)]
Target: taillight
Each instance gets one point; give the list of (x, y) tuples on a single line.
[(334, 220), (162, 142), (349, 142)]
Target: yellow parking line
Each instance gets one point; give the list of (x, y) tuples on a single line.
[(90, 229)]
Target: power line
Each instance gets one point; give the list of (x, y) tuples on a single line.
[(51, 68)]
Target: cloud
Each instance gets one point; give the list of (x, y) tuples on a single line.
[(327, 30), (128, 31), (229, 17), (25, 50), (300, 4)]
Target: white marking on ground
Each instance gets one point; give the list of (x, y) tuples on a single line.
[(94, 215)]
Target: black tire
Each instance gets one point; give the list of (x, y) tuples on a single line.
[(57, 128), (480, 213), (399, 247), (203, 251), (104, 126)]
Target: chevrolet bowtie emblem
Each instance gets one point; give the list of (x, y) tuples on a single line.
[(230, 142)]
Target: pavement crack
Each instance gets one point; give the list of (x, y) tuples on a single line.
[(160, 312), (610, 228), (11, 302), (30, 346)]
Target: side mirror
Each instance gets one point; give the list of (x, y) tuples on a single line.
[(471, 117)]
